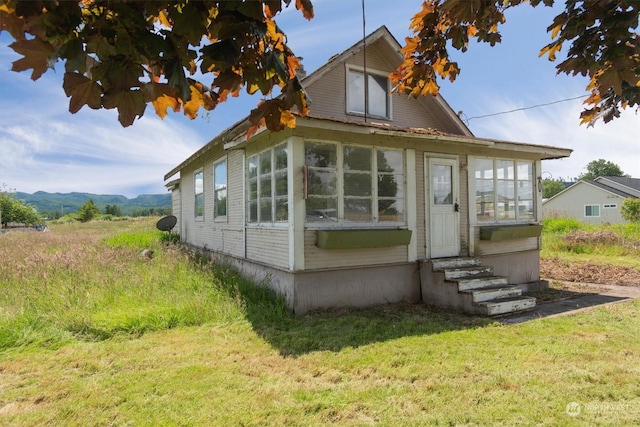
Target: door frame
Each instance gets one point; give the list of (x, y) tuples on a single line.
[(453, 160)]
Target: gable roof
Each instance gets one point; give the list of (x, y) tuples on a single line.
[(231, 135), (603, 183), (395, 48), (630, 186)]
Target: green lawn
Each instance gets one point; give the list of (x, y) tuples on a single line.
[(91, 333)]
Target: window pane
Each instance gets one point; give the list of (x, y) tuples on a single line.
[(221, 203), (484, 169), (390, 161), (199, 182), (391, 210), (378, 95), (281, 183), (322, 182), (592, 210), (525, 171), (252, 167), (265, 186), (484, 200), (199, 194), (265, 162), (525, 210), (357, 158), (504, 169), (199, 205), (281, 157), (357, 184), (442, 185), (355, 94), (220, 174), (358, 210), (253, 211), (506, 202), (322, 209), (390, 185), (282, 209), (320, 155), (220, 189), (265, 209)]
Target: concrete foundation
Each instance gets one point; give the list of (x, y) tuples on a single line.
[(375, 285)]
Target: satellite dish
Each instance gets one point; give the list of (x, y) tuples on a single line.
[(166, 223)]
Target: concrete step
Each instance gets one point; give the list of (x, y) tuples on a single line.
[(492, 293), (467, 272), (442, 264), (505, 305), (480, 282)]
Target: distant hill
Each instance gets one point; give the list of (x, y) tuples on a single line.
[(65, 203)]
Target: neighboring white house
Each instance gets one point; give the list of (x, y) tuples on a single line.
[(369, 203), (594, 202)]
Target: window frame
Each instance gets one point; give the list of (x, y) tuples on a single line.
[(369, 72), (591, 206), (196, 194), (496, 179), (375, 197), (274, 174), (216, 216)]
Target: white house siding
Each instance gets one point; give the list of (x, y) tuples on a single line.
[(176, 208), (226, 236), (268, 246), (572, 201), (317, 258)]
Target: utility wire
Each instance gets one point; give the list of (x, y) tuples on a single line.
[(524, 108)]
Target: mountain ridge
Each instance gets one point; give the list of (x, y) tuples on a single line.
[(64, 203)]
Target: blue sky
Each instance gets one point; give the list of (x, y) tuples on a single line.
[(44, 147)]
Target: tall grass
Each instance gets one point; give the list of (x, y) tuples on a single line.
[(93, 333), (569, 236), (72, 284)]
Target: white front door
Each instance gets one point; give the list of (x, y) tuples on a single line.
[(443, 206)]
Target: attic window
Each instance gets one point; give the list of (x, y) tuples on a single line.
[(378, 99)]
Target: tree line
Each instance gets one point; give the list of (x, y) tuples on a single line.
[(14, 210)]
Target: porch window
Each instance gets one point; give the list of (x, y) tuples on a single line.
[(267, 186), (198, 179), (348, 184), (592, 210), (378, 101), (220, 190), (504, 190)]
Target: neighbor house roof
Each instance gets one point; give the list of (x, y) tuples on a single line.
[(620, 186)]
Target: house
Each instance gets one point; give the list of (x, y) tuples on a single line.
[(369, 203), (594, 201)]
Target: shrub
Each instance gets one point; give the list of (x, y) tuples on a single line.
[(630, 210)]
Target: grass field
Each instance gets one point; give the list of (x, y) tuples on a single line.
[(93, 333)]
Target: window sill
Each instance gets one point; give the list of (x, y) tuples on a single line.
[(509, 232), (362, 238)]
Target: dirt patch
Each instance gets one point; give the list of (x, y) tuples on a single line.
[(572, 271)]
